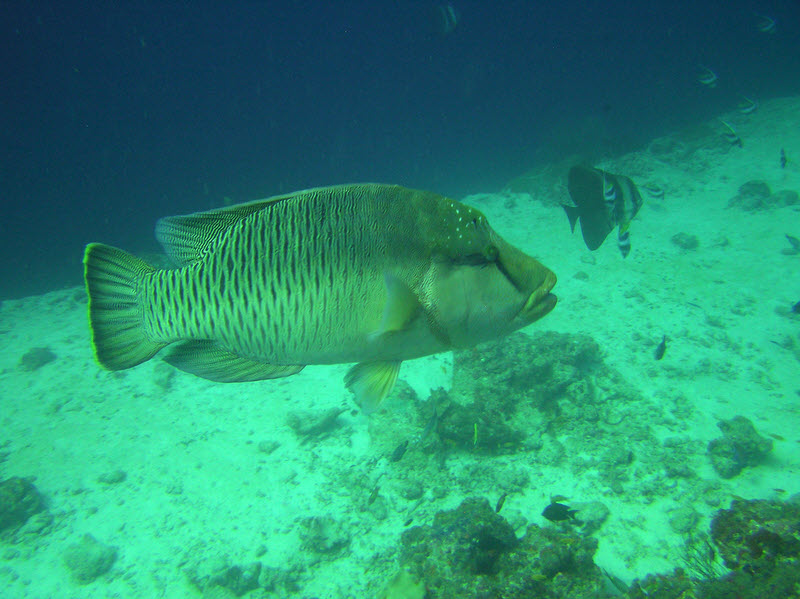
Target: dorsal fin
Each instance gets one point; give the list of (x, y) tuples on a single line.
[(186, 238)]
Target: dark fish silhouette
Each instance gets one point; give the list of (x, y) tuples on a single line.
[(399, 452), (500, 503), (765, 24), (706, 76), (747, 105), (731, 136), (602, 201), (559, 512), (447, 18), (662, 347)]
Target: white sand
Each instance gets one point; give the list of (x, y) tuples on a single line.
[(197, 484)]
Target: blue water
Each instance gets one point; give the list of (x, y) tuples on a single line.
[(113, 116)]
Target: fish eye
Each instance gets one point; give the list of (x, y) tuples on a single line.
[(491, 253)]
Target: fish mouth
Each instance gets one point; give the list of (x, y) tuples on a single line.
[(541, 301)]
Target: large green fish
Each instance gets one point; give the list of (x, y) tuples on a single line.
[(373, 274)]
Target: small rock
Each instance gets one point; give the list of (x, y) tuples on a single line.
[(112, 478), (174, 488), (35, 358), (515, 518), (756, 195), (163, 375), (286, 580), (379, 509), (440, 491), (216, 576), (740, 446), (268, 447), (785, 197), (683, 520), (39, 524), (89, 559), (19, 500), (592, 514), (752, 196), (315, 426), (410, 489), (323, 535), (403, 586), (685, 241)]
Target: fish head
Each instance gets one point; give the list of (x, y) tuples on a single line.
[(488, 291)]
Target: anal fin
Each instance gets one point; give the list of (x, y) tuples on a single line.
[(208, 360), (573, 213), (371, 382)]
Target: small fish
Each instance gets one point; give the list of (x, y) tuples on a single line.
[(559, 512), (747, 105), (731, 136), (653, 191), (448, 18), (783, 158), (374, 495), (399, 452), (616, 582), (765, 24), (707, 77), (793, 241), (500, 503), (432, 423), (602, 201), (777, 437), (662, 347), (796, 308)]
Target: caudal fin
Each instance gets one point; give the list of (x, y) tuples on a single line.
[(112, 276)]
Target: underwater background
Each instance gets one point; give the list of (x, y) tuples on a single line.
[(581, 457)]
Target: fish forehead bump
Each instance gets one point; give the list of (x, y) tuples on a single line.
[(455, 229)]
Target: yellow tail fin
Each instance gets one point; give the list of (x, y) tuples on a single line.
[(115, 314)]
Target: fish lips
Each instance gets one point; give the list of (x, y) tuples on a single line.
[(541, 301), (526, 273)]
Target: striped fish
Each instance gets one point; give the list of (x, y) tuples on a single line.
[(372, 274), (609, 196), (602, 201)]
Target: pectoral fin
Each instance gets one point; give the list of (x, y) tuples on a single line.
[(208, 360), (371, 382), (401, 308)]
